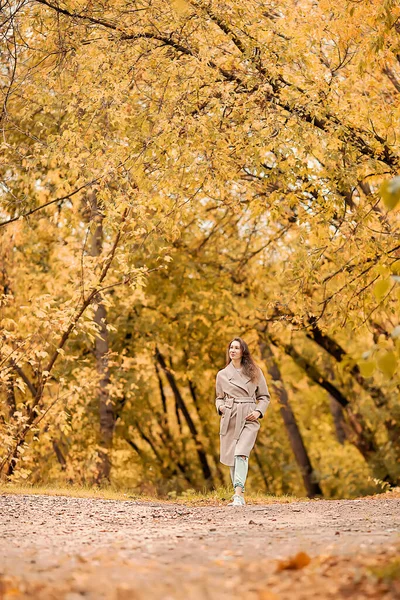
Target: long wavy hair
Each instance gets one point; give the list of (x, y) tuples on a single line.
[(250, 369)]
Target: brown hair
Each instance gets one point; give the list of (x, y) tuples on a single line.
[(250, 369)]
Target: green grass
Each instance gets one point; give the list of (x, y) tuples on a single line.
[(218, 497)]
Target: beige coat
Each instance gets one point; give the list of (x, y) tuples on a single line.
[(240, 396)]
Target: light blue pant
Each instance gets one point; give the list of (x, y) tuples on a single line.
[(239, 471)]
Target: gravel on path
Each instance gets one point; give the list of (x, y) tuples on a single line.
[(91, 548)]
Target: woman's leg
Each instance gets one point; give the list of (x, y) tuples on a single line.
[(240, 474), (232, 472)]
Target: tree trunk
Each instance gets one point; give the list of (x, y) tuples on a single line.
[(59, 454), (261, 469), (37, 389), (105, 403), (11, 402), (339, 354), (296, 440), (338, 420), (204, 426), (357, 431), (176, 453), (10, 397), (167, 471), (334, 349), (192, 427), (162, 394)]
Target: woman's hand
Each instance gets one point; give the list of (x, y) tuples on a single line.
[(222, 409), (253, 416)]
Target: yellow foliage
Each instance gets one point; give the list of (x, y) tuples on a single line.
[(198, 170)]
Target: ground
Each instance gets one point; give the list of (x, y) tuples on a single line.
[(87, 548)]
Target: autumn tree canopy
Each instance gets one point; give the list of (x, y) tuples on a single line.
[(177, 173)]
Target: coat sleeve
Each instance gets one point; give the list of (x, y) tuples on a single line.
[(262, 395), (219, 400)]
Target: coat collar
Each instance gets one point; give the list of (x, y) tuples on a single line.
[(236, 377)]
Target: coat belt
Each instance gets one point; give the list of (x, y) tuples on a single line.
[(241, 401), (244, 399)]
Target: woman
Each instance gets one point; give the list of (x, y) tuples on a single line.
[(242, 399)]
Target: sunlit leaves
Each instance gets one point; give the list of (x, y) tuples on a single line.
[(388, 363), (390, 192), (247, 146), (367, 368), (381, 288)]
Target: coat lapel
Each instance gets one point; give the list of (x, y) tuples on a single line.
[(236, 378)]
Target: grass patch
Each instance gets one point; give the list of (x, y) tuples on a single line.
[(218, 497), (71, 491), (387, 572), (223, 495)]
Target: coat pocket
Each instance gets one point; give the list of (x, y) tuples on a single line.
[(250, 408), (224, 424)]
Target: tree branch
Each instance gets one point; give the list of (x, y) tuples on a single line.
[(60, 199), (350, 134), (24, 377)]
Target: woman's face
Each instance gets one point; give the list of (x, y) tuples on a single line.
[(235, 350)]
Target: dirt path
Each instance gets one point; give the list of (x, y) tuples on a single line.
[(74, 548)]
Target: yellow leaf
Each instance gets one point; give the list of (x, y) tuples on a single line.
[(180, 6), (387, 363), (395, 267), (381, 288), (367, 368), (390, 192)]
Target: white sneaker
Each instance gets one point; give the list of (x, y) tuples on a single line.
[(237, 501)]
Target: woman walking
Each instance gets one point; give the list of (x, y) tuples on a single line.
[(242, 399)]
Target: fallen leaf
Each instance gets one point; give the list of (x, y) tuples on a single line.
[(298, 561), (264, 595)]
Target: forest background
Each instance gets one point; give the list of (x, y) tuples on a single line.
[(174, 174)]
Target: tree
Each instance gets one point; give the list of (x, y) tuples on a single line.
[(236, 155)]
